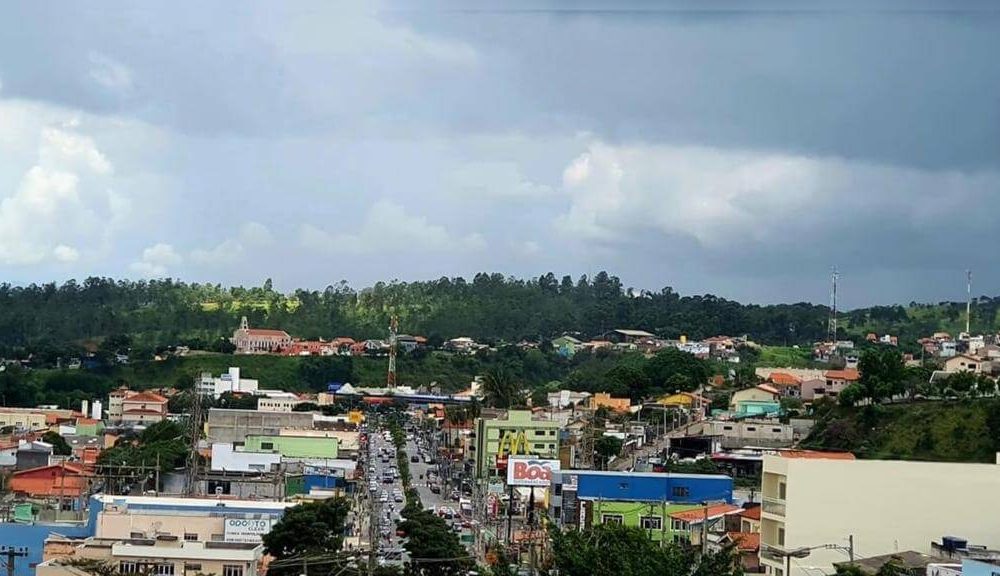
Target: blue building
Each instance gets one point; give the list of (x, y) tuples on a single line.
[(572, 487)]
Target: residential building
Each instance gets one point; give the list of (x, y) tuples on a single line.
[(813, 389), (687, 400), (910, 561), (63, 480), (293, 446), (567, 398), (115, 399), (259, 341), (788, 385), (229, 382), (757, 401), (567, 346), (22, 419), (837, 380), (161, 557), (812, 500), (605, 400), (143, 409), (966, 363), (947, 348), (688, 526), (226, 425), (518, 433)]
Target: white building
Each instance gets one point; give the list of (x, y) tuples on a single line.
[(226, 458), (885, 505), (277, 401), (213, 386)]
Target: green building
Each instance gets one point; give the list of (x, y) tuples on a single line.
[(518, 434), (650, 516), (294, 446)]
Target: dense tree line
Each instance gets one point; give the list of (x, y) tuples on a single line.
[(490, 307)]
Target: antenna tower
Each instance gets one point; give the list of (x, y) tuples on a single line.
[(968, 302), (393, 330), (832, 326), (195, 427)]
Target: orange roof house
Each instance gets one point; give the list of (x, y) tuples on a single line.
[(697, 515), (69, 480), (605, 400), (848, 375)]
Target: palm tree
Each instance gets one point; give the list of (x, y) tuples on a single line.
[(499, 388)]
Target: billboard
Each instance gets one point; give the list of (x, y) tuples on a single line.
[(530, 471), (246, 530)]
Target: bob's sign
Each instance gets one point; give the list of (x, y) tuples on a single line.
[(530, 471)]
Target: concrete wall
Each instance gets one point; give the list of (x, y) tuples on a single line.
[(886, 505), (294, 446)]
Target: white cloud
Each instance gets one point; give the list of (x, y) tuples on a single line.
[(65, 253), (60, 202), (721, 198), (109, 73), (156, 261), (388, 227), (251, 235), (501, 180)]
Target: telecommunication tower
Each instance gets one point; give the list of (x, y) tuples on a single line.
[(393, 331)]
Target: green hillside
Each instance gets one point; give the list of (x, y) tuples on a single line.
[(959, 431)]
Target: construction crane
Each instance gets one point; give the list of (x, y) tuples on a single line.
[(390, 381)]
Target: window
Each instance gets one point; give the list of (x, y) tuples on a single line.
[(232, 570), (267, 445), (751, 428), (190, 537), (781, 536), (651, 523), (605, 519), (776, 430), (258, 467), (781, 491), (192, 567), (552, 446), (163, 569), (727, 427), (557, 490), (678, 525), (680, 492), (128, 567)]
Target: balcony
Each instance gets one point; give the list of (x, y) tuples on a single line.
[(774, 506), (772, 554)]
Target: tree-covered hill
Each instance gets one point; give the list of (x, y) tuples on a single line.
[(489, 307)]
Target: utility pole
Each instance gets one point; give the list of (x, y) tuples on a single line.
[(11, 553), (968, 303), (704, 530), (832, 336), (850, 547)]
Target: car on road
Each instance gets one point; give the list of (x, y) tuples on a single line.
[(414, 459), (435, 488)]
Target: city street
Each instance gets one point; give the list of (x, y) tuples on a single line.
[(387, 498)]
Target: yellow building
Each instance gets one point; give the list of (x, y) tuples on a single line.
[(23, 419), (685, 400), (814, 500), (605, 400), (518, 433)]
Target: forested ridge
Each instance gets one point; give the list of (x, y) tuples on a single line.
[(489, 307)]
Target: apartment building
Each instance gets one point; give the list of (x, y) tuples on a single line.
[(518, 433), (231, 382), (812, 501)]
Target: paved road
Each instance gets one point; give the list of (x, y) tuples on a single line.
[(382, 459)]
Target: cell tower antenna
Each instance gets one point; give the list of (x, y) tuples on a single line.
[(832, 336), (195, 426), (968, 302), (393, 331)]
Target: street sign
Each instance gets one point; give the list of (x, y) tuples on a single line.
[(528, 471), (246, 530)]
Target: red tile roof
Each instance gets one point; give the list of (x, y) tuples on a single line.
[(816, 455), (849, 374), (745, 541), (146, 397), (696, 515), (266, 332), (71, 468), (767, 388), (751, 513), (784, 379)]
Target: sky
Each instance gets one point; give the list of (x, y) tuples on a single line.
[(740, 148)]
